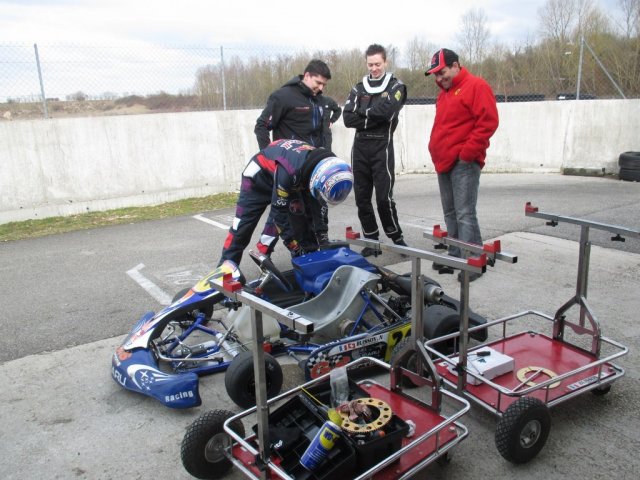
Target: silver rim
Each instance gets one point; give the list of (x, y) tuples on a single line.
[(530, 434), (214, 450)]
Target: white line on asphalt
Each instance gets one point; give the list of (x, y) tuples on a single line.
[(151, 288), (211, 222)]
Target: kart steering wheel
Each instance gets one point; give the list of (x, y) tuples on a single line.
[(269, 270)]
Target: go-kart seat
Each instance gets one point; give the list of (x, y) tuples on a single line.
[(338, 301)]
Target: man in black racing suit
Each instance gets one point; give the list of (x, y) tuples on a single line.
[(289, 175), (372, 108)]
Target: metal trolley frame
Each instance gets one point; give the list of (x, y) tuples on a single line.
[(547, 369), (435, 414)]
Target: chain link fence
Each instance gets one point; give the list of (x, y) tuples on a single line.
[(44, 81)]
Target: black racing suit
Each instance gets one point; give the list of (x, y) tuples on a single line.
[(278, 176), (294, 112), (372, 108)]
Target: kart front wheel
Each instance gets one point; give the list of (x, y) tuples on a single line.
[(239, 379), (523, 430), (203, 445)]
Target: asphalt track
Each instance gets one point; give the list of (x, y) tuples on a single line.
[(68, 300)]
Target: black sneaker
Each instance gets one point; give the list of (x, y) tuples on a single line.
[(369, 251), (401, 242), (472, 276), (442, 269)]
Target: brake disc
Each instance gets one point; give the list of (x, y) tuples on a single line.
[(381, 411)]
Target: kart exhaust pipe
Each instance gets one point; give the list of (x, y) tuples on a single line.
[(400, 284)]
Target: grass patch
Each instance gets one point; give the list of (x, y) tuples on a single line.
[(85, 221)]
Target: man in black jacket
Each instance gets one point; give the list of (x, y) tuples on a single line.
[(295, 110), (331, 114), (372, 108)]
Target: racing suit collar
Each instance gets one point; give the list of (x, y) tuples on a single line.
[(378, 88)]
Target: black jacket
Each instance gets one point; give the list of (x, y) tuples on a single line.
[(373, 105), (292, 112)]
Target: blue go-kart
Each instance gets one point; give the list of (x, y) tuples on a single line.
[(358, 309)]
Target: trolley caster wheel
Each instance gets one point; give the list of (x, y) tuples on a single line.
[(444, 460), (600, 391), (523, 430), (203, 445), (240, 383)]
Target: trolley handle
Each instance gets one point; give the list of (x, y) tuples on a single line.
[(492, 250), (553, 220)]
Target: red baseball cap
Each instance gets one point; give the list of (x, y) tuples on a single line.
[(442, 58)]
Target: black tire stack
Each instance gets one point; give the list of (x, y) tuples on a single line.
[(629, 163)]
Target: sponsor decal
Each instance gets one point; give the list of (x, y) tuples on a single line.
[(361, 343), (398, 95), (583, 382), (326, 366), (118, 377), (144, 376), (178, 396), (122, 355), (282, 193)]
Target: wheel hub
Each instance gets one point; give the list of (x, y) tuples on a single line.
[(530, 434), (213, 451)]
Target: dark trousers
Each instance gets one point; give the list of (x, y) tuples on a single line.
[(255, 197), (373, 164)]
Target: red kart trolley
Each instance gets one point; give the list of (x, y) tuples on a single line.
[(401, 432), (519, 375)]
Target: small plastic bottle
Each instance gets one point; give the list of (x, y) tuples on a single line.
[(339, 386)]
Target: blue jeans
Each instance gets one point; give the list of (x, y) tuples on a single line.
[(459, 196)]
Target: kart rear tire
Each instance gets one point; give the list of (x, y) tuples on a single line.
[(406, 360), (523, 430), (203, 444), (239, 379), (438, 322)]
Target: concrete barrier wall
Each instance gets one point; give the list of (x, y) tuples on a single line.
[(68, 166)]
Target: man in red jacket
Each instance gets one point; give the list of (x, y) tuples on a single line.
[(466, 118)]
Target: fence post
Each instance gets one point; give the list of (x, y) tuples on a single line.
[(44, 98), (224, 87), (580, 68), (606, 72)]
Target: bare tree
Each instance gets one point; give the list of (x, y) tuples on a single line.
[(474, 35), (418, 53), (630, 17), (557, 19)]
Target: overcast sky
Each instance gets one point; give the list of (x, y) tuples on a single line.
[(321, 25), (75, 37)]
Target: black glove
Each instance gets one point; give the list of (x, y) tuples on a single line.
[(295, 249), (323, 239)]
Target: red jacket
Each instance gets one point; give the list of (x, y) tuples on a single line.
[(466, 117)]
